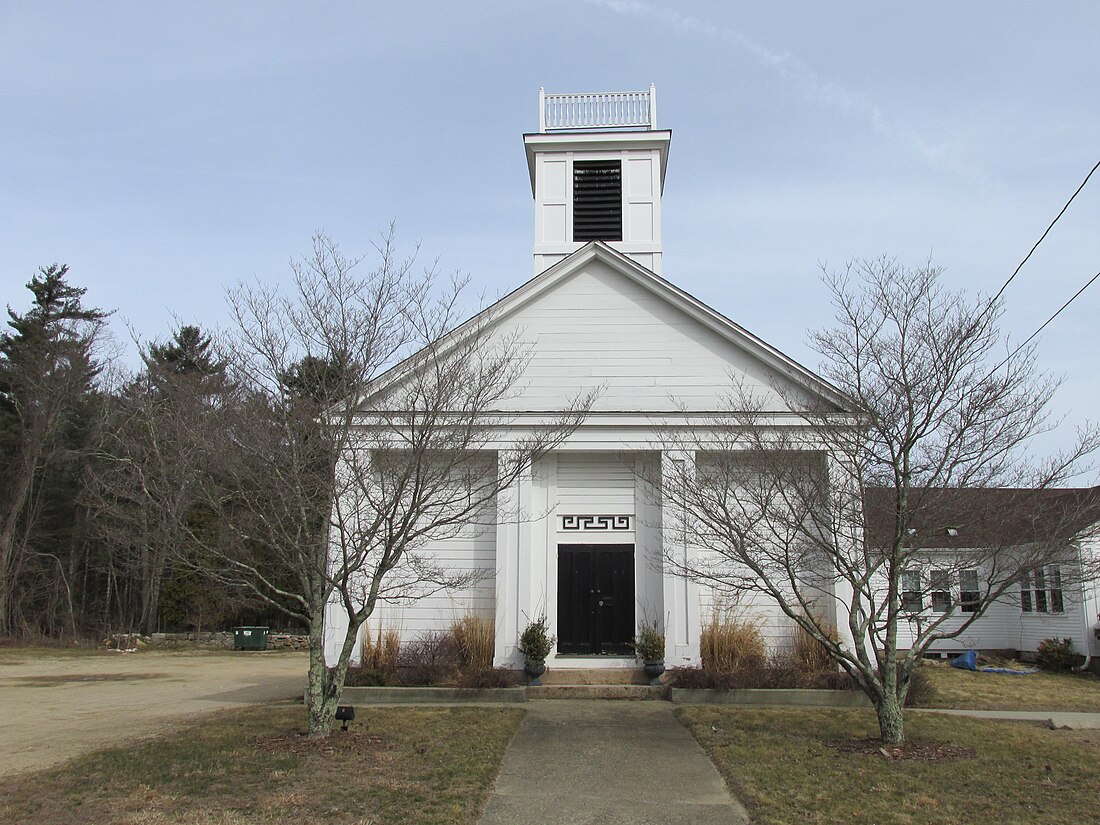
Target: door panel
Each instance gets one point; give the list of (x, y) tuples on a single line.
[(595, 598)]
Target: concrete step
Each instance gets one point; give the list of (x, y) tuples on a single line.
[(634, 692), (594, 676)]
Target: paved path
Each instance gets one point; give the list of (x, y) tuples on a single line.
[(55, 706), (598, 761), (1076, 720)]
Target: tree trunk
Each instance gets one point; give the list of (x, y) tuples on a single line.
[(890, 720), (320, 708), (8, 552), (325, 685), (150, 611)]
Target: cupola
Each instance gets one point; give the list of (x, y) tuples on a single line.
[(597, 169)]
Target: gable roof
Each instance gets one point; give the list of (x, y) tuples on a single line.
[(985, 517), (649, 280)]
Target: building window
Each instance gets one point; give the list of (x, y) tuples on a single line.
[(969, 594), (940, 585), (911, 601), (597, 200), (1041, 591)]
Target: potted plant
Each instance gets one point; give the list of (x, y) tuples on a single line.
[(535, 644), (650, 647)]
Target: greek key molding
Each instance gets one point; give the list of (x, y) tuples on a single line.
[(596, 522)]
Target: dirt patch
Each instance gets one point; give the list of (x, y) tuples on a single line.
[(922, 751), (61, 679), (56, 707)]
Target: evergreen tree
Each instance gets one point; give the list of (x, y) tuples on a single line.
[(47, 369)]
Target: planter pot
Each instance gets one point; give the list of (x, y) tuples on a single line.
[(654, 670), (535, 669)]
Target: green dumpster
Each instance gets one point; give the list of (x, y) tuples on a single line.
[(250, 638)]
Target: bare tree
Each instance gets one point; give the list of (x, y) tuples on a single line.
[(143, 486), (870, 513), (363, 429)]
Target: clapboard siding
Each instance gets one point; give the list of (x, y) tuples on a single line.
[(598, 329), (996, 629), (472, 550), (594, 483), (1035, 627)]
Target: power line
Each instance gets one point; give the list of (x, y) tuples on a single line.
[(1057, 217), (1047, 321)]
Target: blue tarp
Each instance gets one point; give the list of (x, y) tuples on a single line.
[(969, 661)]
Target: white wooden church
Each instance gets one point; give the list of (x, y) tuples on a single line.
[(587, 550)]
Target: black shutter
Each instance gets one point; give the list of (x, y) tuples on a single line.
[(597, 201)]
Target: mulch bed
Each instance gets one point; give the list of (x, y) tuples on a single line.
[(923, 751), (335, 742)]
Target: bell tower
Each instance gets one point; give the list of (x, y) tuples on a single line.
[(597, 169)]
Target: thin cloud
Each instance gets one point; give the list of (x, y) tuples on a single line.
[(821, 90)]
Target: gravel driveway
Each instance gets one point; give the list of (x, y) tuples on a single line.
[(54, 706)]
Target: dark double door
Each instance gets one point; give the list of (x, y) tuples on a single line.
[(595, 598)]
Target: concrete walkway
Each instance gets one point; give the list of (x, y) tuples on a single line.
[(1075, 720), (596, 761)]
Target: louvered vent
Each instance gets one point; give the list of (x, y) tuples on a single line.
[(597, 201)]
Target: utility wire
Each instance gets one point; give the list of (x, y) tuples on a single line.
[(1057, 217), (1020, 266), (1047, 321)]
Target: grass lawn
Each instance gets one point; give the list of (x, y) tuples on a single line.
[(779, 764), (970, 690), (399, 765)]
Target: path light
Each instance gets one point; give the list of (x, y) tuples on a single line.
[(345, 714)]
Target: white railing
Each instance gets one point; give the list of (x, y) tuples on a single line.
[(606, 110)]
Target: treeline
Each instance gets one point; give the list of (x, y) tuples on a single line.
[(109, 506)]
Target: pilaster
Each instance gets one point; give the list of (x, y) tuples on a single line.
[(681, 595)]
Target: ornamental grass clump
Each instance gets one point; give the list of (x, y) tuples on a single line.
[(476, 640), (809, 653), (378, 657), (730, 643)]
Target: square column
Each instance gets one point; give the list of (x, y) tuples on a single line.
[(681, 594), (848, 561), (521, 559)]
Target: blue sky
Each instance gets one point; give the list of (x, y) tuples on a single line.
[(165, 150)]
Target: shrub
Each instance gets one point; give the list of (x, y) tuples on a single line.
[(779, 670), (433, 658), (1058, 655), (698, 678), (832, 680), (367, 677), (920, 689), (476, 639), (650, 643), (729, 643), (536, 642), (492, 677)]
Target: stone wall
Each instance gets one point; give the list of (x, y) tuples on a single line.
[(216, 640)]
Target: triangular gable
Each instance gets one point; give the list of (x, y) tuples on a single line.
[(634, 286)]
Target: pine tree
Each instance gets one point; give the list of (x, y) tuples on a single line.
[(47, 367)]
